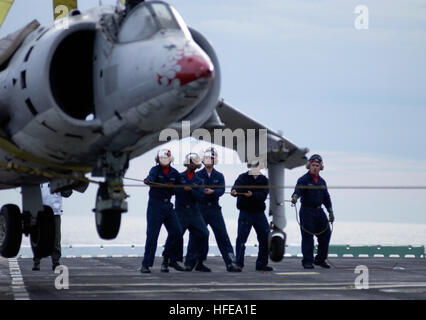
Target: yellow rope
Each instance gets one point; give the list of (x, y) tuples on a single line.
[(11, 166), (23, 155)]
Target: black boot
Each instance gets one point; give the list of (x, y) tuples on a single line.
[(175, 265), (165, 265), (201, 267), (36, 266), (322, 264), (145, 270), (264, 268), (188, 268), (233, 268)]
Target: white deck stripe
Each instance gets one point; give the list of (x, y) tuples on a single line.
[(218, 289), (18, 285), (248, 284)]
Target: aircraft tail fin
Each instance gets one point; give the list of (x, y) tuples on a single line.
[(4, 9), (61, 8)]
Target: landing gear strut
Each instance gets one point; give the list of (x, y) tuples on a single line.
[(110, 199), (277, 236)]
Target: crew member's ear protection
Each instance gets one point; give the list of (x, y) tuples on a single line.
[(316, 158), (211, 153), (192, 158), (164, 153)]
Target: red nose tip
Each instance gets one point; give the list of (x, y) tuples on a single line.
[(192, 68)]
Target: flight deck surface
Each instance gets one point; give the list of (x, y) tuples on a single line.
[(105, 278)]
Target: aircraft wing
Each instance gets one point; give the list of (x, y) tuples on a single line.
[(280, 150)]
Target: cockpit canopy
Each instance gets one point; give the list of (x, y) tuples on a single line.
[(148, 18)]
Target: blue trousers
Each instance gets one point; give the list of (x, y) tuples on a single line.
[(213, 217), (246, 221), (191, 219), (314, 220), (160, 213)]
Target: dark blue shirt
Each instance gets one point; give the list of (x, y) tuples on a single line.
[(314, 197), (189, 198), (216, 179), (255, 203), (156, 174)]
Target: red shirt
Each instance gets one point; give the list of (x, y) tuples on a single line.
[(190, 174), (316, 178), (166, 170)]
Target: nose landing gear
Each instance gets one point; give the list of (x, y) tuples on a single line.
[(110, 205), (110, 199)]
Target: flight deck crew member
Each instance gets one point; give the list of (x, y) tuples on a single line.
[(312, 216), (251, 203), (188, 211), (53, 200), (160, 211), (212, 211)]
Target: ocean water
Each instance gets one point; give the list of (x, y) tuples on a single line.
[(81, 230)]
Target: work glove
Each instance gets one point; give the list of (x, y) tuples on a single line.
[(294, 199), (330, 216)]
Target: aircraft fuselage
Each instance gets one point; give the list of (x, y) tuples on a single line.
[(70, 93)]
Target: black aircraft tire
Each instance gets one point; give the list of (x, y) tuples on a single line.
[(10, 231), (276, 251), (108, 221), (108, 224), (42, 236)]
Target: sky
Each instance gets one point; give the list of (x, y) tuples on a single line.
[(357, 97)]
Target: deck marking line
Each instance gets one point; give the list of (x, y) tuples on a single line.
[(18, 285)]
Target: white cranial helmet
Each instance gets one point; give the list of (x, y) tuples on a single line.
[(165, 154), (192, 158), (209, 154), (253, 163)]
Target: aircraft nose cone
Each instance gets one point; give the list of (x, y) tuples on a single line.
[(194, 67)]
